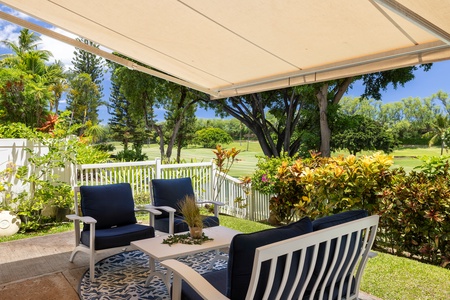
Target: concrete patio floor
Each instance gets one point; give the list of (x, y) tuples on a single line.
[(39, 268)]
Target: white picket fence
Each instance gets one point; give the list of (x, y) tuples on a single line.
[(208, 183)]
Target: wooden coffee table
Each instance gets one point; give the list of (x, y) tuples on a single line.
[(156, 250)]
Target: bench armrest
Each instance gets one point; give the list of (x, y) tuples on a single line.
[(191, 277)]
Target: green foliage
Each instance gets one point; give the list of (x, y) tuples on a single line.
[(16, 131), (415, 213), (360, 133), (265, 178), (210, 137), (131, 155), (6, 178), (83, 100), (414, 207), (40, 177), (105, 147), (434, 166)]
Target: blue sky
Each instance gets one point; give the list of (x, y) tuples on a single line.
[(424, 85)]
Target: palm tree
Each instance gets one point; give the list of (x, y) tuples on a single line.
[(439, 131), (45, 83)]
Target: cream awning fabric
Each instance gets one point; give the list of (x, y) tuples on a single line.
[(234, 47)]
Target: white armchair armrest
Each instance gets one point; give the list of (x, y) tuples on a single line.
[(171, 212), (194, 279), (147, 209), (151, 212), (85, 219), (216, 205)]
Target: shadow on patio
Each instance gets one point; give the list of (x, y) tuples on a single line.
[(39, 268)]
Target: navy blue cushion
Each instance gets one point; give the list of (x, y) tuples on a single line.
[(327, 222), (111, 205), (118, 236), (218, 279), (338, 219), (168, 192), (242, 252), (162, 224)]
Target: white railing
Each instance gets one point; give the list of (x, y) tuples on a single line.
[(208, 183)]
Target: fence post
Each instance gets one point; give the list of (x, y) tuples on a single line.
[(213, 185), (158, 170)]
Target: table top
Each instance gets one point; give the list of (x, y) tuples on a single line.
[(154, 247)]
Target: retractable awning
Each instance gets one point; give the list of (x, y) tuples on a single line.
[(234, 47)]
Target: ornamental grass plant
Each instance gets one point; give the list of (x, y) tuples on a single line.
[(191, 212)]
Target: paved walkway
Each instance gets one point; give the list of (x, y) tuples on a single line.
[(39, 268)]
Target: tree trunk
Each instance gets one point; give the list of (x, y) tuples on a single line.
[(325, 132)]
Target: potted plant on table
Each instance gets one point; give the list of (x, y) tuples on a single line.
[(191, 214)]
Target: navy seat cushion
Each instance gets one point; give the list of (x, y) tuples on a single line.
[(162, 224), (242, 252), (218, 279), (327, 222), (118, 236), (168, 192), (111, 205)]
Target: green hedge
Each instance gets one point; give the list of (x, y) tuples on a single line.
[(414, 208)]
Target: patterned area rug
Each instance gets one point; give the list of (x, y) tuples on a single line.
[(122, 276)]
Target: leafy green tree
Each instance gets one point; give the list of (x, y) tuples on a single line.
[(211, 137), (83, 100), (121, 123), (277, 118), (331, 92), (362, 133), (146, 93), (86, 64)]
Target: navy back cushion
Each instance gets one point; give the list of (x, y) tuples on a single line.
[(111, 205), (242, 253), (168, 192), (327, 222)]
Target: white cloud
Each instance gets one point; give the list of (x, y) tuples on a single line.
[(61, 51), (8, 32)]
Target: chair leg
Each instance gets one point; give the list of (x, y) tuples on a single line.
[(74, 252), (92, 265)]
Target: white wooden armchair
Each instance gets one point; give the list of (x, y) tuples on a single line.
[(108, 217), (166, 194), (323, 264)]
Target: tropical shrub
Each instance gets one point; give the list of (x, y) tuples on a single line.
[(415, 217), (320, 186), (414, 208), (265, 179)]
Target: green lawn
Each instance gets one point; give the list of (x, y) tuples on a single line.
[(397, 278), (408, 158)]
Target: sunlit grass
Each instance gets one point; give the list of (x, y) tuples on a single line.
[(397, 278), (46, 230)]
